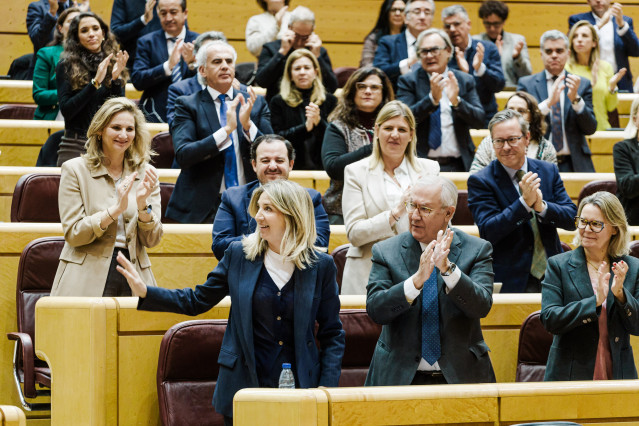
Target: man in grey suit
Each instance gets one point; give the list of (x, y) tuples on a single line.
[(429, 296), (515, 61)]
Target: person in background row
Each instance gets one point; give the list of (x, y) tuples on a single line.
[(300, 111), (45, 89), (267, 26), (590, 298), (109, 202), (515, 62), (132, 19), (91, 70), (389, 22), (350, 131), (276, 277), (625, 155)]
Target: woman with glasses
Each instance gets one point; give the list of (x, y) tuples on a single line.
[(377, 188), (539, 148), (625, 155), (300, 111), (589, 297), (349, 135), (389, 22)]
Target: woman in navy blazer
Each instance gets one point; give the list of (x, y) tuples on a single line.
[(589, 297), (280, 251)]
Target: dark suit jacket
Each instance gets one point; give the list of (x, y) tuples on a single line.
[(316, 300), (568, 310), (625, 46), (413, 89), (197, 189), (232, 221), (40, 24), (504, 221), (493, 79), (625, 155), (270, 69), (576, 126), (464, 356), (391, 50), (148, 73), (127, 26)]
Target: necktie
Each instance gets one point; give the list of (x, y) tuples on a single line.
[(435, 133), (230, 166), (431, 344), (538, 265), (556, 125), (176, 72)]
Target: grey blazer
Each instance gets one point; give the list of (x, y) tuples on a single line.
[(513, 69)]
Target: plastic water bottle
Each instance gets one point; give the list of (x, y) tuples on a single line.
[(287, 380)]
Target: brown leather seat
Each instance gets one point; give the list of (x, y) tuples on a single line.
[(596, 186), (37, 268), (462, 216), (362, 334), (166, 189), (35, 198), (187, 373), (634, 248), (534, 346), (566, 246), (343, 74), (339, 257), (17, 111), (162, 143)]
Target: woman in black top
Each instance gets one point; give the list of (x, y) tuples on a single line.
[(389, 22), (299, 112), (91, 70)]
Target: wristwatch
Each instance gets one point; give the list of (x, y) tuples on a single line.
[(451, 269), (95, 83), (148, 209), (577, 100)]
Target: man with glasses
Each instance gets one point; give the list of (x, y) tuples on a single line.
[(429, 288), (518, 203), (300, 34), (444, 102), (566, 101), (515, 62), (479, 59), (395, 54)]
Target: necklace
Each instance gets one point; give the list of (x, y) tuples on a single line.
[(595, 267)]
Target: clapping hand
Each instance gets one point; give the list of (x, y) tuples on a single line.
[(146, 187), (426, 266), (479, 57), (614, 80), (121, 59), (246, 106), (442, 249), (603, 278), (573, 82), (123, 194), (619, 269), (519, 46), (312, 116), (102, 69), (126, 268), (462, 63), (529, 185)]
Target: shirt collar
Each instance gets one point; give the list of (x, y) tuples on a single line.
[(410, 39), (469, 45), (549, 76), (402, 169), (181, 36), (215, 94), (511, 172)]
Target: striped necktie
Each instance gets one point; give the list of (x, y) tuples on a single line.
[(431, 343), (176, 72)]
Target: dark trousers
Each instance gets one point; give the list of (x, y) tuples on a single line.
[(564, 163), (428, 378), (450, 164), (533, 285), (116, 284), (228, 421)]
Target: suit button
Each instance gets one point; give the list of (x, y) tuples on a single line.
[(585, 321), (279, 293), (128, 240), (280, 343), (589, 319), (629, 313), (616, 340), (279, 318), (133, 261)]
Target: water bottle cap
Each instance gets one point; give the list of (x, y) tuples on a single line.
[(286, 365)]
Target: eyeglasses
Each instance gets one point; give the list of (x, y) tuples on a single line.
[(493, 24), (423, 210), (453, 25), (418, 12), (397, 10), (434, 51), (512, 141), (372, 87), (595, 225), (302, 37)]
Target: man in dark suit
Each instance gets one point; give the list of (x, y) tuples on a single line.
[(518, 203), (395, 54), (163, 57), (617, 38), (212, 132), (480, 59), (430, 300), (445, 104), (272, 158), (272, 60), (132, 19), (566, 101)]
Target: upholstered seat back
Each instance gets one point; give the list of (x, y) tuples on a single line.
[(162, 144), (596, 186), (35, 198), (17, 111), (361, 337), (339, 257), (462, 216), (534, 346)]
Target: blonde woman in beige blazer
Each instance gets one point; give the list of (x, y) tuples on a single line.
[(376, 190), (109, 201)]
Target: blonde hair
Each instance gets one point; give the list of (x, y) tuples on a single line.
[(289, 92), (631, 128), (294, 202), (594, 53), (613, 212), (391, 110), (140, 150)]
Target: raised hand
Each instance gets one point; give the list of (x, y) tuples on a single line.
[(288, 37), (176, 54), (529, 185), (479, 57), (120, 64), (620, 269), (280, 15), (603, 278), (146, 187), (148, 10), (437, 86), (312, 116), (452, 88), (426, 266), (102, 69), (616, 10), (314, 44), (246, 106), (231, 118), (573, 82), (442, 249), (614, 80), (126, 268), (462, 63), (188, 52), (500, 44), (124, 188), (519, 46), (555, 90)]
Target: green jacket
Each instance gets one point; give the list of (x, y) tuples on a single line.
[(45, 89)]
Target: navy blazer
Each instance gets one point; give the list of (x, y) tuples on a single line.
[(40, 25), (576, 126), (232, 221), (316, 300), (413, 89), (464, 353), (391, 50), (625, 46), (504, 221), (128, 27), (625, 156), (148, 73), (197, 188), (568, 310), (493, 79)]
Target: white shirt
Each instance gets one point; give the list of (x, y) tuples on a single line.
[(280, 269), (410, 45), (394, 192), (449, 146), (169, 47), (607, 39)]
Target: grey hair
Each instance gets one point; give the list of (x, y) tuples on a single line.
[(301, 14), (553, 35), (505, 115), (202, 55), (206, 37), (448, 195), (456, 9), (439, 32), (407, 9)]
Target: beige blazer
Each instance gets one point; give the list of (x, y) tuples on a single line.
[(83, 199), (366, 216)]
